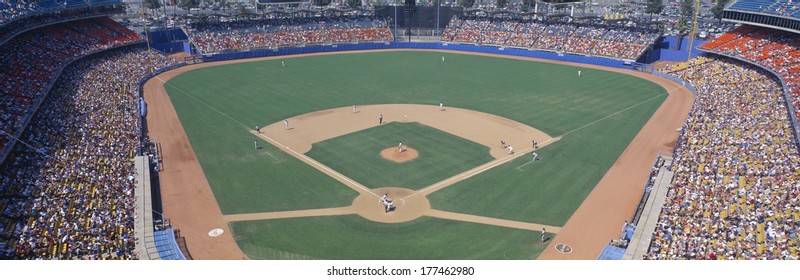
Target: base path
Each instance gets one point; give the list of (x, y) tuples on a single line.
[(189, 202), (482, 128)]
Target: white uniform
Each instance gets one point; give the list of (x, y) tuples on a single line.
[(443, 59), (400, 147), (579, 73), (441, 106), (286, 124), (510, 149), (283, 64)]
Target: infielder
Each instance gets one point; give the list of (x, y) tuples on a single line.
[(380, 118), (400, 146), (542, 236), (510, 149), (441, 106), (286, 124), (258, 129)]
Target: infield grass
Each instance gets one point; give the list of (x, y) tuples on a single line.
[(441, 155), (424, 238), (599, 113)]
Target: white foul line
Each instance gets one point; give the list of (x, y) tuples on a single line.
[(321, 166)]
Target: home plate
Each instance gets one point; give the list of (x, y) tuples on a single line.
[(215, 232)]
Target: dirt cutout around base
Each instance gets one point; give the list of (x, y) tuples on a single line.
[(395, 155), (404, 208)]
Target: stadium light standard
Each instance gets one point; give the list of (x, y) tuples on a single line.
[(395, 20), (438, 8)]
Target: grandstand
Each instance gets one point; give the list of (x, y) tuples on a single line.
[(555, 36), (735, 190), (786, 8), (68, 94), (286, 32)]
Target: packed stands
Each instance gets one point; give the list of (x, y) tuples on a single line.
[(557, 36), (31, 62), (14, 9), (734, 192), (68, 192), (776, 50), (272, 33)]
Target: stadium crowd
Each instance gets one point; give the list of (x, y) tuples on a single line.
[(31, 62), (778, 51), (214, 37), (558, 36), (67, 191), (16, 8), (734, 192)]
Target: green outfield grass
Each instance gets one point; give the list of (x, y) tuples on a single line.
[(599, 113), (424, 238), (539, 192), (441, 155)]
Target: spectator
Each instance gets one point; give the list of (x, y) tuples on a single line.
[(72, 197), (734, 192)]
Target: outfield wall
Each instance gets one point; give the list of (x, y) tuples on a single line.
[(601, 61)]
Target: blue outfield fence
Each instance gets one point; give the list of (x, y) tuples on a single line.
[(601, 61)]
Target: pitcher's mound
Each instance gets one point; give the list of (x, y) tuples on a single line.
[(395, 155)]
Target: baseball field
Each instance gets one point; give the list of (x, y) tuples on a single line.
[(309, 184)]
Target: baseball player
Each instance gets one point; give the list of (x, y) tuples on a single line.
[(388, 204), (256, 142), (579, 73), (441, 106), (534, 144), (543, 233), (286, 124), (443, 59), (380, 118), (400, 146), (535, 156), (354, 109), (258, 129), (510, 149), (503, 143), (283, 64)]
